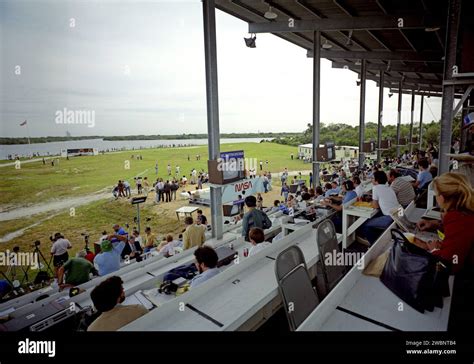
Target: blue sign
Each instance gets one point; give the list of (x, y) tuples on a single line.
[(238, 154)]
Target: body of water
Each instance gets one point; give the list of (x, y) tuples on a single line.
[(54, 148)]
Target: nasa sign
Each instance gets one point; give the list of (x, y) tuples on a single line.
[(246, 187)]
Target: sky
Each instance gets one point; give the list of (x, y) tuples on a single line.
[(139, 67)]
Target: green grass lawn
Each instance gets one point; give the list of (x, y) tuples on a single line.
[(35, 182)]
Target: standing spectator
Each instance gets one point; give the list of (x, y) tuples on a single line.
[(127, 189), (160, 191), (156, 168), (200, 182), (146, 185), (174, 188), (194, 235), (169, 169), (108, 260), (253, 218), (402, 188), (59, 251), (177, 170), (285, 190), (167, 189), (265, 183), (107, 297), (120, 187), (139, 185), (261, 165), (77, 271), (292, 156)]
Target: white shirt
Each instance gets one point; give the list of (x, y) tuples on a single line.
[(359, 190), (60, 246), (258, 248), (386, 198)]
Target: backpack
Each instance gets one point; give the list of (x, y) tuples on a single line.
[(266, 222)]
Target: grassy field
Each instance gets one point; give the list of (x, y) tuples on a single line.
[(35, 182)]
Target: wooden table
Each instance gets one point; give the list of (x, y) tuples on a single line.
[(186, 210)]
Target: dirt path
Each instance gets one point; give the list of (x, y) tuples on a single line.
[(67, 203)]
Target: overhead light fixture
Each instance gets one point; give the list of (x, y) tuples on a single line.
[(358, 62), (270, 14), (250, 42), (358, 82), (432, 29), (326, 45), (390, 94)]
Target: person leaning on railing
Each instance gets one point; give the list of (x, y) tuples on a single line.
[(455, 196)]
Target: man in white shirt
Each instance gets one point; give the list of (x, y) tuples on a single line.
[(257, 239), (385, 199), (359, 189), (59, 251), (206, 263)]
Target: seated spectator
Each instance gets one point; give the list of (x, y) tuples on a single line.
[(206, 263), (108, 260), (455, 196), (193, 235), (107, 298), (349, 194), (402, 188), (201, 218), (359, 189), (319, 194), (334, 190), (253, 218), (168, 246), (77, 271), (150, 240), (133, 248), (424, 176), (383, 198), (276, 206), (257, 239)]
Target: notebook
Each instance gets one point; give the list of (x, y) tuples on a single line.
[(410, 227)]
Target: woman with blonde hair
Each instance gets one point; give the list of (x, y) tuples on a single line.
[(455, 196)]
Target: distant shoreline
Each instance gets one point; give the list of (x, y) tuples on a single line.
[(49, 139)]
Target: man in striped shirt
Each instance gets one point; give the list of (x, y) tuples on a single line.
[(403, 189)]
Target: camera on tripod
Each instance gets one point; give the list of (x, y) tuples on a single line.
[(37, 243)]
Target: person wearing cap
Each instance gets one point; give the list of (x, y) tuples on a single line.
[(77, 271), (108, 260)]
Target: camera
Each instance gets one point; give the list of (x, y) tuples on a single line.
[(168, 287), (37, 243)]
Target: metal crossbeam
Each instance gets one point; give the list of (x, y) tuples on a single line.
[(382, 55), (357, 23)]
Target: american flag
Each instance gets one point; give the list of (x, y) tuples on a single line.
[(23, 123)]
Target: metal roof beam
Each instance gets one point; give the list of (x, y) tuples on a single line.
[(382, 55), (357, 23), (393, 68)]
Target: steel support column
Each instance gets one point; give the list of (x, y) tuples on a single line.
[(420, 133), (380, 116), (316, 101), (363, 78), (399, 117), (412, 116), (454, 12), (212, 97)]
